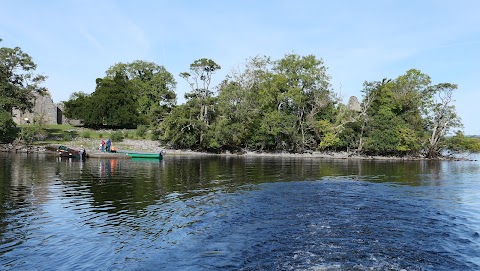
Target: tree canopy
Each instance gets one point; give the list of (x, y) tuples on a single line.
[(18, 82), (130, 94), (283, 105), (113, 104), (153, 87), (18, 85)]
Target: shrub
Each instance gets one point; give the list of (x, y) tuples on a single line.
[(8, 128), (86, 134), (116, 136), (155, 135), (126, 134), (141, 131), (31, 134), (67, 137)]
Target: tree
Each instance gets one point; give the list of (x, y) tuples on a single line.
[(199, 81), (18, 83), (201, 96), (77, 106), (459, 143), (112, 104), (305, 92), (8, 128), (440, 116), (182, 129), (153, 85), (406, 116), (240, 106)]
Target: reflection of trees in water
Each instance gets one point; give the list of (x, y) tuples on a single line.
[(24, 187), (23, 178), (127, 186)]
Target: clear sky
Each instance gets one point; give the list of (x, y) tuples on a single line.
[(75, 42)]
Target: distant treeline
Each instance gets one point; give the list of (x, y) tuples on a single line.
[(269, 105)]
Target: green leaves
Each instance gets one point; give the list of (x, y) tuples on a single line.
[(8, 128), (153, 88), (112, 104), (18, 83)]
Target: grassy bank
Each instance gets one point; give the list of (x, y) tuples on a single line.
[(128, 139), (49, 134)]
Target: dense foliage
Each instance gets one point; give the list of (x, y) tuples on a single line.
[(131, 94), (459, 143), (8, 128), (288, 105), (18, 85), (153, 88), (283, 105), (112, 104)]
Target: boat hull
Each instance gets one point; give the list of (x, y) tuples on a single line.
[(64, 151), (145, 155)]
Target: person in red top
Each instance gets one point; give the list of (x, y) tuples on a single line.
[(102, 145)]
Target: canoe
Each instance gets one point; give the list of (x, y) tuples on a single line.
[(145, 155)]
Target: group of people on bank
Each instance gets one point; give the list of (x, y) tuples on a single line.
[(106, 146)]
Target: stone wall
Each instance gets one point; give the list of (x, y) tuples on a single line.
[(45, 111), (354, 104)]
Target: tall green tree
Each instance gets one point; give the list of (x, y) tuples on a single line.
[(18, 82), (18, 85), (241, 104), (407, 116), (274, 105), (153, 85), (112, 104), (199, 79), (201, 96), (78, 106), (393, 124), (304, 91)]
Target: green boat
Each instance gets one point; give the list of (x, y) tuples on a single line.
[(145, 155)]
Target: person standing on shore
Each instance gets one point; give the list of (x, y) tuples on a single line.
[(102, 145), (107, 145)]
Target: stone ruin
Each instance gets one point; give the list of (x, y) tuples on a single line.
[(44, 111), (354, 104)]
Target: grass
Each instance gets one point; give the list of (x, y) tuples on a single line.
[(77, 136)]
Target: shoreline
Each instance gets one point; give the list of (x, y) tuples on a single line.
[(153, 146)]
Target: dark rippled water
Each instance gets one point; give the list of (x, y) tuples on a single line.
[(233, 213)]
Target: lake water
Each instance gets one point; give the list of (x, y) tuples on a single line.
[(238, 213)]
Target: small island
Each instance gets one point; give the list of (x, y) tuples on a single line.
[(284, 106)]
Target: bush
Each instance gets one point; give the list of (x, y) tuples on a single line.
[(86, 134), (126, 134), (8, 128), (31, 134), (461, 143), (141, 131), (155, 135), (67, 137), (116, 136)]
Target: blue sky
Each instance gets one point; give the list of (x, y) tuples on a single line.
[(75, 42)]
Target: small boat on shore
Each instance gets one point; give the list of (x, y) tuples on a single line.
[(64, 151)]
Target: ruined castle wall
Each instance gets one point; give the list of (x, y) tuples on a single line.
[(44, 112)]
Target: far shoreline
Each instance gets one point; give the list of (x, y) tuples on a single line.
[(153, 146)]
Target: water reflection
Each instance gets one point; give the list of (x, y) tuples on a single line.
[(111, 210), (129, 184)]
